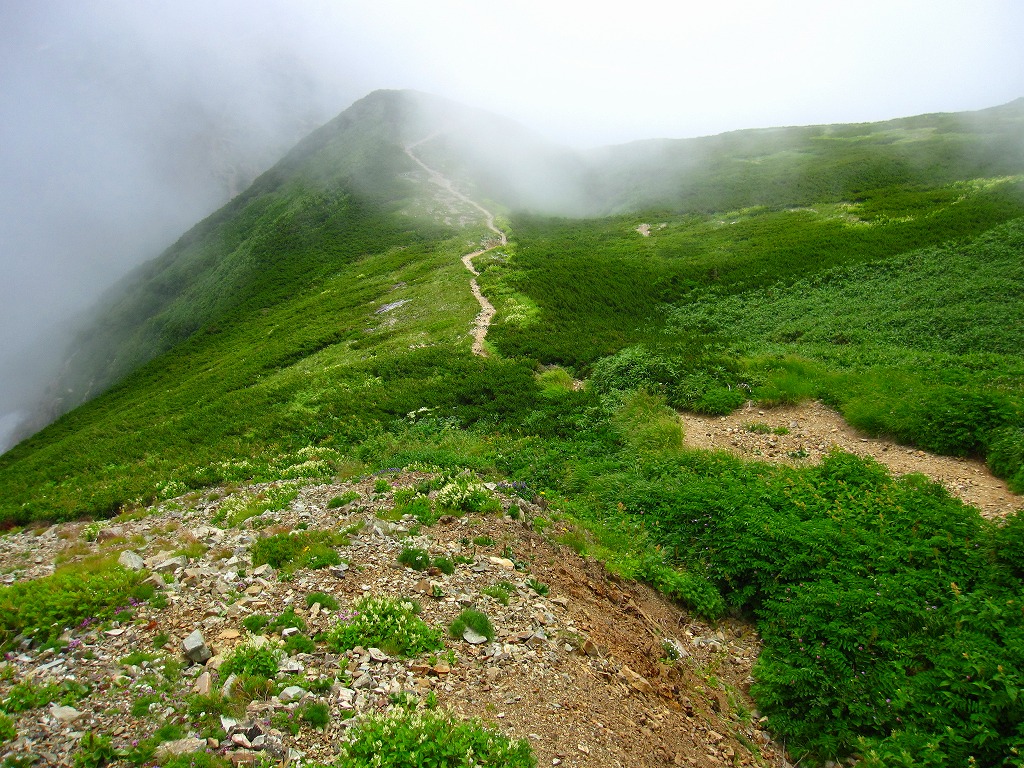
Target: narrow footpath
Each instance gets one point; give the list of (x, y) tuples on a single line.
[(486, 314)]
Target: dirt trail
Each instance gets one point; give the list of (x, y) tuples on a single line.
[(487, 311), (814, 430)]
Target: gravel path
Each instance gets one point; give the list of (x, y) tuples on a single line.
[(483, 320)]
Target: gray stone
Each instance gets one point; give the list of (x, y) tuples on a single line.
[(131, 560), (291, 693), (171, 564), (472, 637), (110, 532), (363, 681), (156, 581), (196, 649), (64, 714), (338, 571)]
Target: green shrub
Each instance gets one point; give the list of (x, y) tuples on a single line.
[(475, 620), (692, 590), (634, 368), (299, 643), (412, 739), (386, 624), (539, 587), (483, 541), (1009, 538), (325, 600), (889, 612), (249, 687), (7, 730), (135, 658), (287, 618), (235, 510), (28, 695), (142, 706), (419, 507), (196, 760), (414, 558), (574, 540), (647, 425), (256, 622), (1006, 456), (94, 751), (252, 658), (286, 721), (955, 422), (465, 495), (205, 711), (340, 501), (444, 565), (315, 713), (141, 753)]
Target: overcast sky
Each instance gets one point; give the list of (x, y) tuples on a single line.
[(122, 122)]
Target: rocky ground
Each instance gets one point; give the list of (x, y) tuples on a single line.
[(591, 669), (804, 433)]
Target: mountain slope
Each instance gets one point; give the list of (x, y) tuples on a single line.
[(317, 329)]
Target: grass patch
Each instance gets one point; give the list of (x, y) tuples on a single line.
[(299, 549), (252, 659), (474, 620), (326, 601), (417, 559), (44, 608), (498, 592)]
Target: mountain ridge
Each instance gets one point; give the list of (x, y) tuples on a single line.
[(320, 329)]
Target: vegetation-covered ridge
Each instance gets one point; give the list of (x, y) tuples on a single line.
[(879, 272)]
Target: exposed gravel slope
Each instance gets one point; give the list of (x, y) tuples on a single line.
[(581, 671)]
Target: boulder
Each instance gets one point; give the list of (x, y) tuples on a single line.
[(131, 560), (196, 649)]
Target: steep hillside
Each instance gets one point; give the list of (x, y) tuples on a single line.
[(319, 329)]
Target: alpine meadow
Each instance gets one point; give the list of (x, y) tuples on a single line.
[(318, 331)]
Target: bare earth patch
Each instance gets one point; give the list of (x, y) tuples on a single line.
[(814, 430)]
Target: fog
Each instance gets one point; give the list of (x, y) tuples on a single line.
[(123, 122)]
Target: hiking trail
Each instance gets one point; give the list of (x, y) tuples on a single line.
[(483, 319)]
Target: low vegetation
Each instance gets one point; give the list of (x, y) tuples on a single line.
[(387, 624), (298, 549), (38, 611), (413, 739)]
